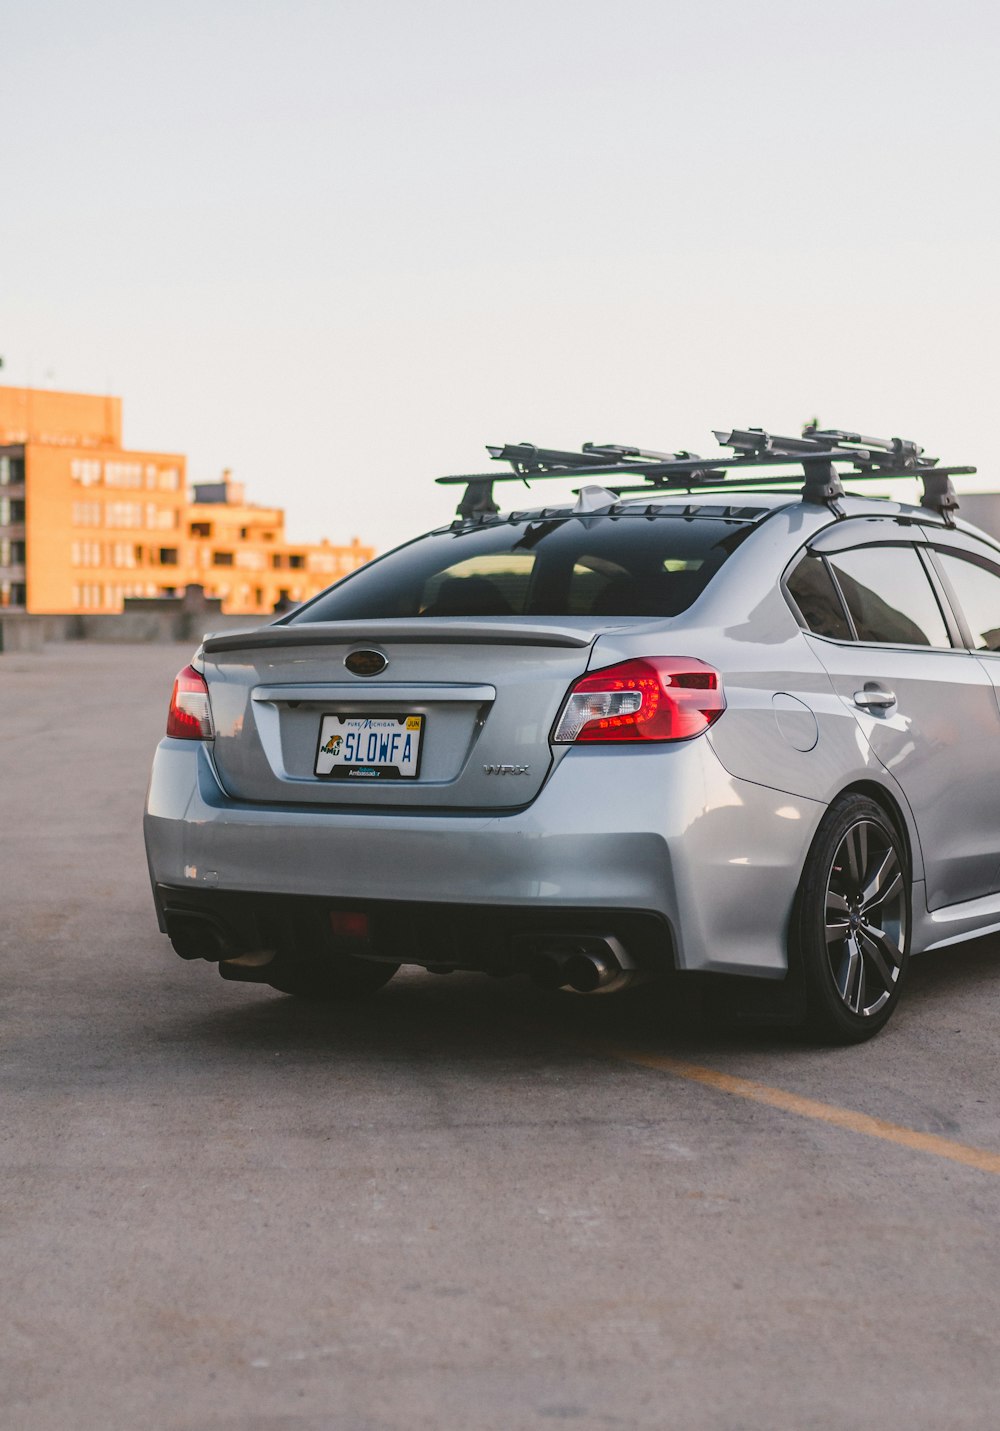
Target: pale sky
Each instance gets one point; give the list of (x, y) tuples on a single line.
[(339, 246)]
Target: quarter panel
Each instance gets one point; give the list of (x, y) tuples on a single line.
[(762, 653), (940, 743)]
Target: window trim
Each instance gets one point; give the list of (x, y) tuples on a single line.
[(942, 593), (800, 556), (950, 625), (868, 531), (974, 559), (944, 601)]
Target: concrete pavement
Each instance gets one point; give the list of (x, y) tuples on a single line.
[(460, 1204)]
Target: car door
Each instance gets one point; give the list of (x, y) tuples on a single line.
[(925, 704)]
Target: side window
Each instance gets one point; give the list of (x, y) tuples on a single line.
[(978, 591), (889, 596), (811, 588)]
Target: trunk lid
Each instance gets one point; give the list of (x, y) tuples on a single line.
[(486, 693)]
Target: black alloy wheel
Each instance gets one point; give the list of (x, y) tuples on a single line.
[(852, 921)]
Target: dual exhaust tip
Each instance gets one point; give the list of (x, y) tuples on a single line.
[(591, 964), (195, 935), (583, 964)]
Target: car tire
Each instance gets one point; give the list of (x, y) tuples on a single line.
[(850, 927), (344, 978)]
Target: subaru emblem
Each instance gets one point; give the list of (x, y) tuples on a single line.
[(366, 663)]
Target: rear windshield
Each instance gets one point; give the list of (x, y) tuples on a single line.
[(627, 565)]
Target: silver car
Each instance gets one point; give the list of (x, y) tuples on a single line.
[(746, 734)]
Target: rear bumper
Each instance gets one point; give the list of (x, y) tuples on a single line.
[(223, 924), (663, 831)]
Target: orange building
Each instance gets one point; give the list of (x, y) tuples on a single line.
[(240, 552), (85, 523)]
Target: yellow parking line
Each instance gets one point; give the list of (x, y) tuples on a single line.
[(979, 1158)]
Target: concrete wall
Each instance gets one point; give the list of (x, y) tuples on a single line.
[(982, 509), (30, 633), (21, 633)]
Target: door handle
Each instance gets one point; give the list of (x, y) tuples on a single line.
[(875, 698)]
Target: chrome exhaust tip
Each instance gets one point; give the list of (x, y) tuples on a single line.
[(254, 967), (600, 965), (587, 973), (581, 964)]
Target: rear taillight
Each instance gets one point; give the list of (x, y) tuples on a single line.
[(653, 698), (190, 714)]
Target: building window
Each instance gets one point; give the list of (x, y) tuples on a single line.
[(11, 511), (87, 514), (85, 471), (222, 558), (87, 554), (11, 471), (296, 560), (123, 474), (12, 593), (123, 554), (168, 556), (200, 529), (124, 514)]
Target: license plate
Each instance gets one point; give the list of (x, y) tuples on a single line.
[(360, 747)]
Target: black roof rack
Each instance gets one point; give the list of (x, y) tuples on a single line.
[(817, 452)]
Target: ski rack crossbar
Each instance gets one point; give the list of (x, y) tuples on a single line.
[(816, 452)]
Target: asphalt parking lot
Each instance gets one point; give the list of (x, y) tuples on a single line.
[(463, 1204)]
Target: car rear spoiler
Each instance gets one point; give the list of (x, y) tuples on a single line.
[(427, 630)]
